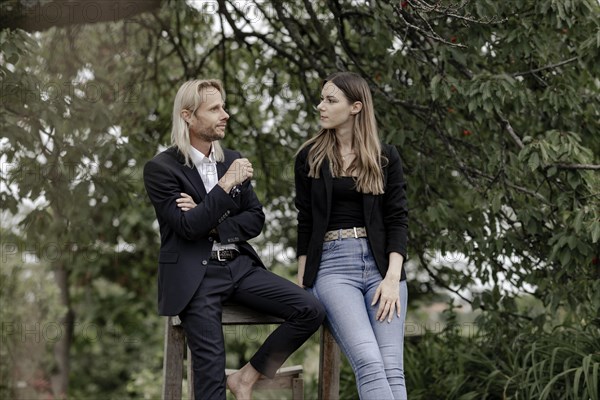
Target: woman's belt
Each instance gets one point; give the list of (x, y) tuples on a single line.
[(345, 234)]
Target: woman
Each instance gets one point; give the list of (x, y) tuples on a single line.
[(352, 233)]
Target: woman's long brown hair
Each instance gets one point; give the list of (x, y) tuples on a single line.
[(366, 167)]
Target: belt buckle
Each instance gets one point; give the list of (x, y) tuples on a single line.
[(219, 255), (355, 233)]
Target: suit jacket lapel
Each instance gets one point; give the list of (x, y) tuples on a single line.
[(192, 174), (194, 177)]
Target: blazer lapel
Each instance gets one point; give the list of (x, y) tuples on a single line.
[(192, 174), (194, 177)]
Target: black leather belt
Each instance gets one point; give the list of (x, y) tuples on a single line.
[(224, 255)]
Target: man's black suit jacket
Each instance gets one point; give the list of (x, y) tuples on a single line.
[(186, 241), (386, 215)]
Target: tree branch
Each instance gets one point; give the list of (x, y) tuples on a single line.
[(508, 127), (454, 153), (439, 281), (429, 34), (537, 195), (177, 46), (551, 66), (241, 36), (577, 166)]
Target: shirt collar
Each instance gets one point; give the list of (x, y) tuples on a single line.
[(198, 158)]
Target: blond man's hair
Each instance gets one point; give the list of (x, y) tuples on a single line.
[(189, 97)]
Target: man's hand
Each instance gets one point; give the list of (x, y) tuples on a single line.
[(240, 170), (185, 202)]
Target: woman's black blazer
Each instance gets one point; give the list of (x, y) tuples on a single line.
[(386, 215)]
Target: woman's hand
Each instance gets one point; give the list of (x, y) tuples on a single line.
[(301, 266), (185, 202), (388, 295)]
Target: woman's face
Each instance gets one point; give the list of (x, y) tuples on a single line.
[(335, 109)]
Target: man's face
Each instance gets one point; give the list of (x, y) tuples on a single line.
[(208, 123)]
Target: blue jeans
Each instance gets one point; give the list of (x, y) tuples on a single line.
[(345, 285)]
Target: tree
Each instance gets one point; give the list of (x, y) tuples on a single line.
[(493, 107), (63, 152), (81, 113), (476, 87)]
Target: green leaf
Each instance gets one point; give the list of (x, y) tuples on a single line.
[(534, 161), (565, 258), (497, 202), (578, 221), (573, 179), (572, 242), (434, 86), (595, 231)]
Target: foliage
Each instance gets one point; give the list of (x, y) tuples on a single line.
[(504, 363), (493, 106), (29, 326), (73, 180)]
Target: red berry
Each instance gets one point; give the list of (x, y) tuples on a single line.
[(466, 132)]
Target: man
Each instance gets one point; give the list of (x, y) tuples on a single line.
[(207, 210)]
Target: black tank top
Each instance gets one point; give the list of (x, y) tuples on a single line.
[(346, 205)]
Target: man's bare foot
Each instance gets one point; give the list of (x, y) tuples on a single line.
[(239, 390), (240, 383)]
